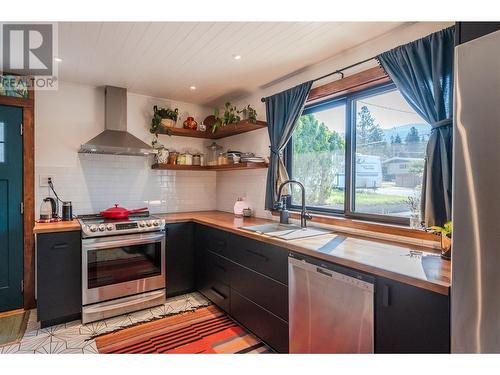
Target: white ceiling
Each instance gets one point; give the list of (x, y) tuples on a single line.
[(165, 59)]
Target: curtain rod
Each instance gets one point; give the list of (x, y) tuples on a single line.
[(338, 71)]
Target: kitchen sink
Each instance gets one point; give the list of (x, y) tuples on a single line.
[(285, 231)]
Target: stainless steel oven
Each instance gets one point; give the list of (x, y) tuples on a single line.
[(122, 273)]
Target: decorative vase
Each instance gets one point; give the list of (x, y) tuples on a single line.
[(445, 247), (167, 123), (190, 123)]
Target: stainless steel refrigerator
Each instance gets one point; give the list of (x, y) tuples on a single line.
[(475, 295)]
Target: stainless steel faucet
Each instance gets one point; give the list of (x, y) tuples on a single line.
[(281, 205)]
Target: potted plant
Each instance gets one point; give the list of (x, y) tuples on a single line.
[(165, 117), (230, 116), (249, 113), (445, 231)]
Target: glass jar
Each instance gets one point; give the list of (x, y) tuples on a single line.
[(213, 153), (196, 159), (181, 159), (415, 220), (172, 159), (188, 159)]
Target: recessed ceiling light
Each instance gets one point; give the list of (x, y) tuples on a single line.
[(237, 57), (192, 88), (58, 59)]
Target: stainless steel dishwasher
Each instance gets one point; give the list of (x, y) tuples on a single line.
[(331, 308)]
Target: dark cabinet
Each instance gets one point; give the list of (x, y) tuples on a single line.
[(466, 31), (262, 257), (410, 319), (240, 276), (271, 295), (180, 258), (59, 280), (270, 328)]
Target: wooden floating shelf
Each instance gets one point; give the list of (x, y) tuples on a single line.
[(225, 131), (225, 167)]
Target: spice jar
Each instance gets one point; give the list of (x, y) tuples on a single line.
[(220, 159), (181, 159), (172, 158), (196, 159), (188, 159)]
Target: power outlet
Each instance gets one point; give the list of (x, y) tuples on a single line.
[(44, 180)]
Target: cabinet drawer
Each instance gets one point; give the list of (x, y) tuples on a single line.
[(218, 293), (271, 329), (267, 259), (218, 268), (264, 291), (213, 240)]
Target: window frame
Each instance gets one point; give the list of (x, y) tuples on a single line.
[(349, 100)]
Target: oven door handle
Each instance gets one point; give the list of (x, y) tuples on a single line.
[(123, 242)]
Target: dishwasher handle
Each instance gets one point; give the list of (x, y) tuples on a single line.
[(323, 272), (336, 272)]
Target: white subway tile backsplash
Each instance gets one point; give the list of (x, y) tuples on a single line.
[(99, 181)]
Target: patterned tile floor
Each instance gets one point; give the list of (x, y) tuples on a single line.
[(74, 337)]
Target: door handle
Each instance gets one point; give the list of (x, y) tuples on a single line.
[(217, 293), (323, 272), (386, 296), (59, 246), (263, 257)]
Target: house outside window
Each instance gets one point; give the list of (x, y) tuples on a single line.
[(360, 155)]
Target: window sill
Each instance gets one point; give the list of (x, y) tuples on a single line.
[(390, 229)]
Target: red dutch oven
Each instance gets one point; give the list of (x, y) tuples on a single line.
[(120, 212)]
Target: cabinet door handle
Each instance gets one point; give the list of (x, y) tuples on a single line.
[(386, 296), (263, 257), (217, 293), (59, 246)]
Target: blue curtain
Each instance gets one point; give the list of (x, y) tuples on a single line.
[(423, 72), (282, 112)]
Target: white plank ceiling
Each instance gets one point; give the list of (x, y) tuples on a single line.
[(165, 59)]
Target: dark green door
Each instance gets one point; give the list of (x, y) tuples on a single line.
[(11, 223)]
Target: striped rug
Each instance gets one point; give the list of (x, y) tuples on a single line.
[(206, 330)]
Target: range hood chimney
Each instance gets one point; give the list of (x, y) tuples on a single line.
[(115, 140)]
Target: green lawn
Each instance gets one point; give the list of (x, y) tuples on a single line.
[(337, 197)]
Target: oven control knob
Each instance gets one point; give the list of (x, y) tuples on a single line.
[(149, 223), (142, 224), (93, 228), (109, 227), (156, 223), (101, 227)]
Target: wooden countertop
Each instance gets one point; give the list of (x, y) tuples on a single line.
[(408, 264), (60, 226)]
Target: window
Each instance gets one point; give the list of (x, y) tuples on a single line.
[(361, 155)]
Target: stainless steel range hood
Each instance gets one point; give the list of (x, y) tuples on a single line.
[(115, 140)]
